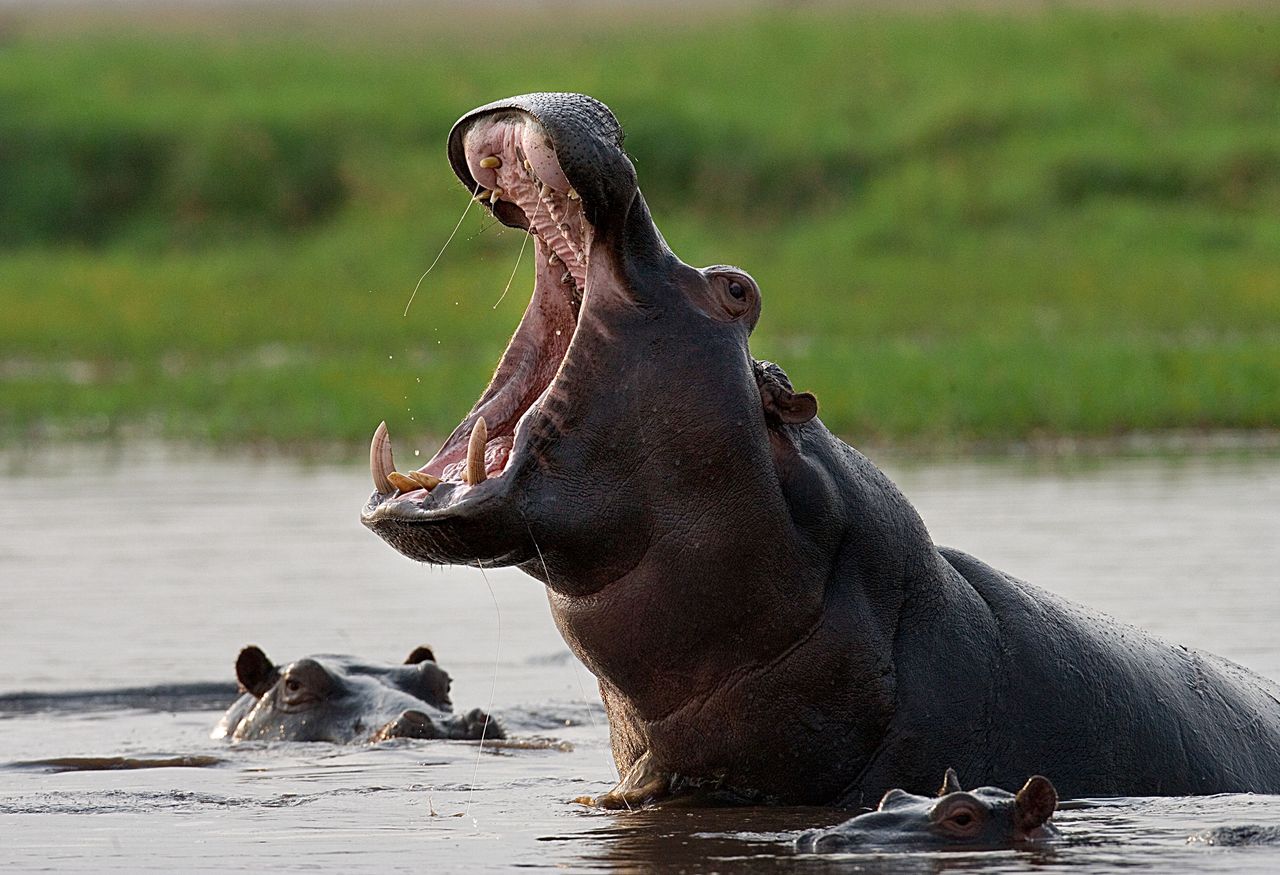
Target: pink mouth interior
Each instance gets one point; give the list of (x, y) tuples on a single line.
[(530, 177)]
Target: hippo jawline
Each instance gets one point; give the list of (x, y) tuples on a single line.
[(505, 155)]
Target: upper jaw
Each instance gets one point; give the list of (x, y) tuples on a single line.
[(587, 143)]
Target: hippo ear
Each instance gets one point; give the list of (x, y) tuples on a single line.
[(950, 783), (1034, 804), (421, 654), (255, 672), (793, 408), (892, 797), (781, 403)]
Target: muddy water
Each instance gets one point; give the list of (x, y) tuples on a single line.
[(128, 583)]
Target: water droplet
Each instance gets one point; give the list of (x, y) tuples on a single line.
[(417, 452)]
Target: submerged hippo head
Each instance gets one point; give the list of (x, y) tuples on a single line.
[(986, 818), (341, 699)]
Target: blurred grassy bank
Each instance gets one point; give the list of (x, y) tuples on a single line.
[(967, 226)]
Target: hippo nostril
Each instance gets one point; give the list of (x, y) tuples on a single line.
[(805, 842), (825, 843), (414, 724), (410, 724)]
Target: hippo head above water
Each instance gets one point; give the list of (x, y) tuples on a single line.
[(626, 401), (628, 374), (341, 699), (987, 818), (767, 615)]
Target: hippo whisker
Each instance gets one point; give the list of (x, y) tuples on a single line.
[(523, 243), (436, 261)]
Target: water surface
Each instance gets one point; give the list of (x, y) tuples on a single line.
[(150, 568)]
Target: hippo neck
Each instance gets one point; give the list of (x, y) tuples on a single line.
[(661, 526), (805, 642)]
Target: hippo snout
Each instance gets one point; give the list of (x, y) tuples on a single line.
[(818, 841), (410, 724)]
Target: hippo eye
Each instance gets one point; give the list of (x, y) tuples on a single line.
[(729, 295), (961, 821), (292, 685)]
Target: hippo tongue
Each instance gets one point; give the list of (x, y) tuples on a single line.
[(521, 179)]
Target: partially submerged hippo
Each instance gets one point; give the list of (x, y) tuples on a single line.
[(987, 818), (341, 699), (766, 613)]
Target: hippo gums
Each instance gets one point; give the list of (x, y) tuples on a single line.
[(341, 699), (987, 818), (767, 615)]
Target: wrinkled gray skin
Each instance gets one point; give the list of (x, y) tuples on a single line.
[(344, 700), (987, 818), (766, 614)]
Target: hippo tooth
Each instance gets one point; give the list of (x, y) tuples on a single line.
[(483, 195), (493, 162), (402, 482), (573, 194), (527, 165), (423, 479), (380, 462), (495, 195), (475, 473)]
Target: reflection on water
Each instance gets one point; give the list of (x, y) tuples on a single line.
[(139, 577)]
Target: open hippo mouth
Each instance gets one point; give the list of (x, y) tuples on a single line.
[(509, 154), (518, 176)]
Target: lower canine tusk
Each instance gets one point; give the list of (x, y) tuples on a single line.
[(380, 462), (475, 474)]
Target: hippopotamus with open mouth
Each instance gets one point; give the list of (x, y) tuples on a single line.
[(341, 699), (987, 818), (767, 615)]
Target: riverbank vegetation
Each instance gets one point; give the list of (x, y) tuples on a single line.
[(967, 226)]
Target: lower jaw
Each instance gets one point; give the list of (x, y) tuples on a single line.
[(476, 532)]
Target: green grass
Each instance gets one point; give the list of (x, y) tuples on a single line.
[(967, 226)]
